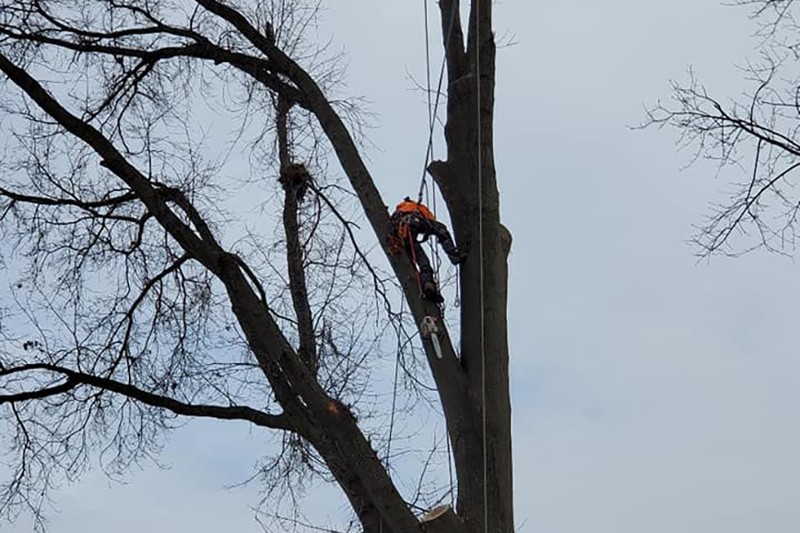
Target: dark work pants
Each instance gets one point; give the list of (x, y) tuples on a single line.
[(420, 226)]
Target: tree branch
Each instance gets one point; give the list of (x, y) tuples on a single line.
[(264, 43), (265, 337), (38, 394), (453, 40), (87, 205), (201, 48), (111, 159), (74, 378), (295, 179)]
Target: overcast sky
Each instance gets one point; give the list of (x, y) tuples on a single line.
[(651, 394)]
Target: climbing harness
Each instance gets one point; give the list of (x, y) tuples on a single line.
[(399, 242), (410, 221)]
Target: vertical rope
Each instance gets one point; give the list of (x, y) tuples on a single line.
[(450, 468), (430, 196), (480, 254), (432, 115), (394, 393), (394, 398), (428, 78)]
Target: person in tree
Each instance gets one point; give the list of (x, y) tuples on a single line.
[(412, 224)]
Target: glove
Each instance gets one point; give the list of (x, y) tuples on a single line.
[(457, 258)]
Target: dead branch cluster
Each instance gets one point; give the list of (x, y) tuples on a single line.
[(295, 179)]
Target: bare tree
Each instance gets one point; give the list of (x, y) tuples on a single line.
[(753, 139), (136, 301)]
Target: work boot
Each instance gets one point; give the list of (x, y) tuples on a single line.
[(431, 293)]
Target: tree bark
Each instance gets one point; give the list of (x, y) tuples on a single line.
[(467, 179)]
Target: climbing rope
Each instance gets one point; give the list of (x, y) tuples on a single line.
[(432, 113), (394, 391), (394, 406), (480, 257), (431, 197), (430, 327), (433, 108), (429, 149), (428, 82)]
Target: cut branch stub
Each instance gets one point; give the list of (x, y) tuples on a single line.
[(441, 519)]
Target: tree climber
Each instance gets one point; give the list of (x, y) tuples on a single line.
[(410, 220)]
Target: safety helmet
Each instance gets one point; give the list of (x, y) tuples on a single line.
[(410, 206)]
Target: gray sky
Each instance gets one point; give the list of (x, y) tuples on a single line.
[(650, 393)]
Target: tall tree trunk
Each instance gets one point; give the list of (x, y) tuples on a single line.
[(483, 456)]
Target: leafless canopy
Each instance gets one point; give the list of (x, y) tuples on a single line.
[(754, 137), (176, 246)]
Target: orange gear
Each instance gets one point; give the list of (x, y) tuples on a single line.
[(410, 206)]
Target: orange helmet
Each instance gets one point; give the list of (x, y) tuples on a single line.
[(410, 206)]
